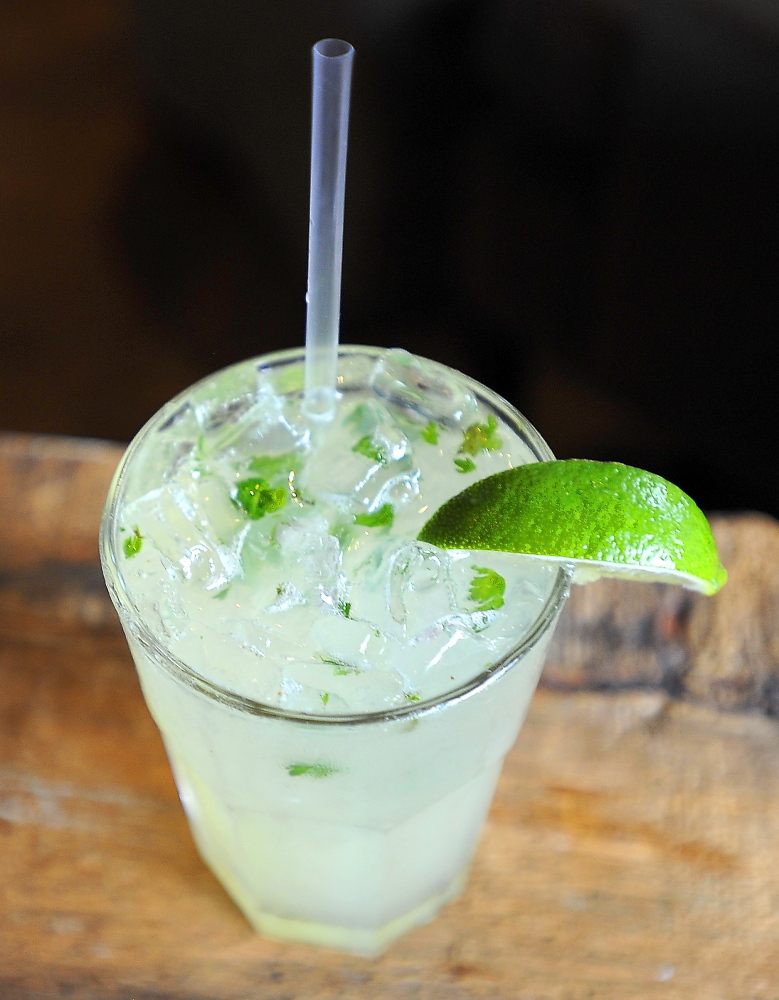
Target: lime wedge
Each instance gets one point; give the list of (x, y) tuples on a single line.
[(603, 518)]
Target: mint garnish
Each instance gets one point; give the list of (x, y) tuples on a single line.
[(313, 770), (384, 516), (430, 433), (481, 437), (464, 465), (269, 467), (365, 446), (256, 498), (362, 417), (342, 667), (132, 545), (487, 589)]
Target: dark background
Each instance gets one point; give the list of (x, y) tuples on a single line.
[(576, 202)]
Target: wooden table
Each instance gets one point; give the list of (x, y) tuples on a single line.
[(632, 849)]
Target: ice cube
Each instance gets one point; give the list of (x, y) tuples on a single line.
[(287, 597), (422, 390), (232, 659), (447, 655), (355, 643), (164, 615), (169, 459), (212, 414), (183, 418), (374, 463), (255, 424), (176, 523), (346, 689), (419, 588), (397, 491), (310, 559)]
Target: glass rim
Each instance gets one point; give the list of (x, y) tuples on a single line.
[(133, 620)]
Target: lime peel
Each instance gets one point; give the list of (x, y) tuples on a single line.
[(600, 518)]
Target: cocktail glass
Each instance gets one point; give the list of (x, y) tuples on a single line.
[(343, 831)]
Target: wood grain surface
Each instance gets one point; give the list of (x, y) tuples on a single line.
[(631, 850)]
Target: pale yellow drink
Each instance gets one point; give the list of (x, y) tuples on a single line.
[(336, 699)]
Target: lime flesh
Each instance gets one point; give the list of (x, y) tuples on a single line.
[(602, 518)]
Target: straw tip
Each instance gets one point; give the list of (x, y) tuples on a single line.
[(333, 48)]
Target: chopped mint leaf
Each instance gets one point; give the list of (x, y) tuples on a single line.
[(345, 607), (325, 697), (314, 770), (132, 545), (487, 589), (384, 516), (481, 437), (270, 467), (221, 595), (256, 498), (411, 696), (464, 465), (365, 446), (430, 433), (362, 417), (343, 532), (342, 667)]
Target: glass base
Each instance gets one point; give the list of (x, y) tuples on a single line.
[(368, 942), (249, 856)]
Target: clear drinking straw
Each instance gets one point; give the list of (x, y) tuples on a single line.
[(329, 131)]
